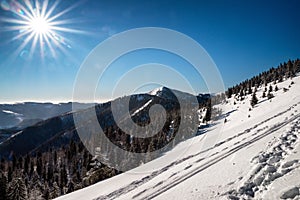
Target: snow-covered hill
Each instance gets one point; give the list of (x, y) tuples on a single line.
[(255, 154)]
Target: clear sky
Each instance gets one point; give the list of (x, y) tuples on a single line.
[(242, 37)]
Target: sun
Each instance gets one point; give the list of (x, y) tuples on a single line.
[(38, 24)]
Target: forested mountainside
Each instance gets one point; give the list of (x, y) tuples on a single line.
[(51, 160), (48, 160), (276, 75)]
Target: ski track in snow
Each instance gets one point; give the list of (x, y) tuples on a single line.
[(194, 168), (190, 174)]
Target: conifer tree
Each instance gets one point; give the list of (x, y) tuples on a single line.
[(249, 90), (270, 89), (229, 93), (207, 116), (55, 191), (242, 94), (3, 184), (17, 189), (254, 100)]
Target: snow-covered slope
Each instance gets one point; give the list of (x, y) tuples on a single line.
[(255, 153)]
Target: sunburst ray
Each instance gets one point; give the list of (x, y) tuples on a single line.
[(38, 23)]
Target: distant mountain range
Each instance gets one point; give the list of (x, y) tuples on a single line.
[(36, 126), (21, 115)]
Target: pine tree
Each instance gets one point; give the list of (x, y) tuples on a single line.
[(35, 186), (17, 190), (207, 116), (270, 89), (229, 93), (3, 184), (9, 174), (70, 186), (276, 88), (14, 162), (254, 100), (26, 164), (242, 94), (55, 191), (250, 90), (46, 193)]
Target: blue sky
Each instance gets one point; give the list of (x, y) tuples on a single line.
[(242, 37)]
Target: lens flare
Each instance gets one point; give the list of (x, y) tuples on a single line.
[(20, 11), (38, 23), (5, 5)]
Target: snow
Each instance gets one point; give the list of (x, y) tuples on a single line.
[(15, 134), (246, 156), (11, 136), (141, 108), (156, 90), (18, 116), (11, 112)]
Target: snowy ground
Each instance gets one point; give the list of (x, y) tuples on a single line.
[(256, 153)]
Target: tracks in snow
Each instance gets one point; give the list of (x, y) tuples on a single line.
[(220, 157), (180, 176), (270, 165)]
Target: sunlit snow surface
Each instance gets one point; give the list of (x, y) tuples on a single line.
[(260, 146)]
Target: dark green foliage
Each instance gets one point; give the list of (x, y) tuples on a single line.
[(270, 88), (242, 94), (46, 193), (282, 72), (254, 100), (17, 190), (207, 116), (70, 187), (55, 192), (3, 185), (249, 90), (55, 171), (41, 173), (229, 93)]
